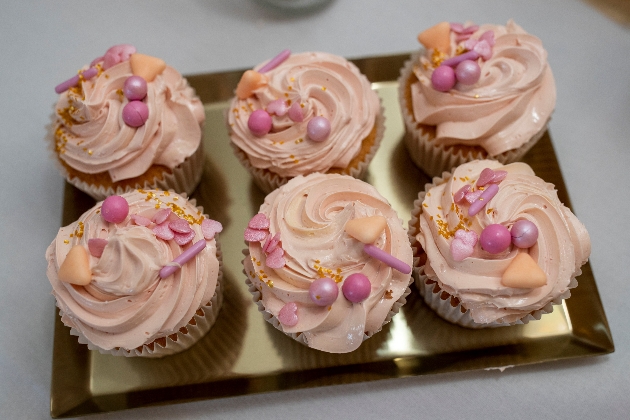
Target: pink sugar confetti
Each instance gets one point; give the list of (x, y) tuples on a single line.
[(288, 315), (460, 250), (276, 258), (271, 243), (499, 176), (488, 36), (210, 227), (96, 246), (182, 239), (469, 237), (471, 197), (140, 220), (485, 177), (483, 49), (161, 215), (295, 112), (180, 226), (259, 221), (461, 193), (254, 235), (278, 107), (162, 231)]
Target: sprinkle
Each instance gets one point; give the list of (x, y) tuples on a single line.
[(183, 258), (386, 258), (275, 62)]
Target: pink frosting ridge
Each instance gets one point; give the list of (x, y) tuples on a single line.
[(324, 85), (512, 101), (310, 213), (126, 304), (563, 244), (92, 137)]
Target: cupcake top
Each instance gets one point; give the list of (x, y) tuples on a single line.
[(116, 272), (314, 275), (488, 85), (124, 113), (499, 239), (307, 114)]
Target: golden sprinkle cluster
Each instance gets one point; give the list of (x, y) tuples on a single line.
[(179, 211), (437, 57), (261, 274), (328, 272), (78, 232), (442, 225)]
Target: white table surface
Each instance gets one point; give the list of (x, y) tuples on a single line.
[(43, 43)]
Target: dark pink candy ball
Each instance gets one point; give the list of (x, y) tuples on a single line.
[(324, 291), (443, 78), (135, 88), (259, 123), (135, 113), (495, 238), (468, 72), (114, 209), (356, 287), (524, 233)]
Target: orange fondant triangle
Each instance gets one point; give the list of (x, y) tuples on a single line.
[(366, 229), (250, 81), (523, 272), (146, 66), (75, 269), (437, 37)]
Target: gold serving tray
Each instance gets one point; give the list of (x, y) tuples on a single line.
[(243, 354)]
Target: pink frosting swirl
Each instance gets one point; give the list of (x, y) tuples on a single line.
[(310, 213), (126, 304), (324, 85), (512, 101), (91, 136), (563, 244)]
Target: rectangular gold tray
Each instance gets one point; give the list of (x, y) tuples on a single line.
[(243, 354)]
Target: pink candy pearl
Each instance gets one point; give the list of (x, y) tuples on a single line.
[(356, 287), (468, 72), (524, 233), (323, 292), (318, 129), (135, 88), (259, 123), (135, 113), (114, 209), (443, 78), (495, 238)]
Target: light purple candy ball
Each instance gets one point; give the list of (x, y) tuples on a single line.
[(468, 72), (114, 209), (524, 233), (259, 123), (324, 291), (318, 129), (443, 78), (135, 113), (495, 238), (356, 287), (135, 88)]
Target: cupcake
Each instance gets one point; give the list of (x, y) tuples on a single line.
[(128, 121), (475, 92), (494, 246), (328, 261), (138, 274), (304, 113)]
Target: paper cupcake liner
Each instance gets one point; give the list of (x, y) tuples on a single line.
[(446, 305), (434, 159), (268, 181)]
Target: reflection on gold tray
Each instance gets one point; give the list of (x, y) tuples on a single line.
[(243, 354)]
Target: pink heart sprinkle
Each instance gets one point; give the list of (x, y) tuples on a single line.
[(117, 54), (259, 221), (469, 237), (288, 315), (462, 37), (182, 239), (162, 231), (254, 235), (271, 243), (96, 246), (471, 197), (278, 107), (485, 177), (460, 250), (470, 43), (483, 49), (180, 226), (461, 193), (488, 36), (458, 28), (295, 112), (276, 259), (498, 176), (210, 227), (161, 215), (140, 220)]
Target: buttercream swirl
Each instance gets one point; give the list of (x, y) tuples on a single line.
[(126, 304), (92, 137), (512, 101), (310, 213), (563, 244), (324, 85)]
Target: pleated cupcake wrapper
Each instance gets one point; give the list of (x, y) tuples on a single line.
[(268, 181), (299, 337), (434, 159), (457, 314)]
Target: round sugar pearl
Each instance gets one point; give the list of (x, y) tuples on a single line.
[(114, 209), (356, 287), (259, 123), (135, 113), (135, 88), (495, 238), (524, 233), (443, 78), (318, 129), (323, 292), (468, 72)]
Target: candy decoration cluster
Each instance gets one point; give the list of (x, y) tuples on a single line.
[(258, 231)]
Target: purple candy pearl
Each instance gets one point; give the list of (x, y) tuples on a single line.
[(114, 209), (443, 78), (318, 129), (323, 292), (356, 287), (468, 72), (495, 238), (259, 123), (135, 88), (135, 113), (524, 233)]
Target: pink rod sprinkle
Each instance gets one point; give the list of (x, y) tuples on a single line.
[(453, 61), (485, 197), (183, 258), (386, 258), (73, 81), (275, 62)]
